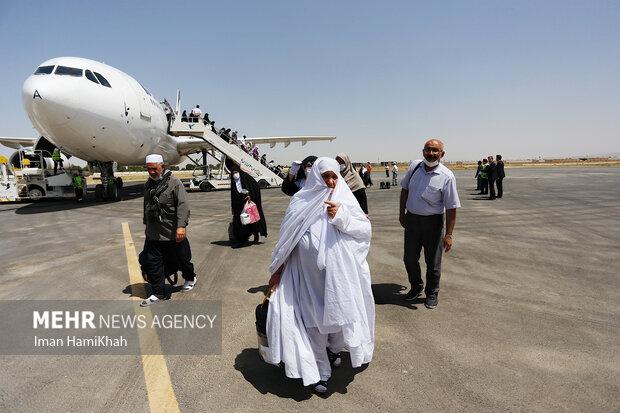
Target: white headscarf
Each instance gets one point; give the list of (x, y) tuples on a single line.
[(308, 205), (341, 255)]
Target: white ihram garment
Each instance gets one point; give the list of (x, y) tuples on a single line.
[(324, 297)]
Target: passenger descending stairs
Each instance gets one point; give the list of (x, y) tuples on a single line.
[(195, 136)]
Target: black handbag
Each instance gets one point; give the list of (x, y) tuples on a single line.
[(261, 317), (261, 327), (231, 233)]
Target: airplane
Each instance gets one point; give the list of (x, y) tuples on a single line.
[(103, 116)]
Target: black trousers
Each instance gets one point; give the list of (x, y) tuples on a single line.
[(500, 187), (161, 258), (491, 188), (424, 232), (478, 183), (484, 186), (79, 193), (360, 195)]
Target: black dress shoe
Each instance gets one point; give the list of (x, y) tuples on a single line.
[(414, 293), (431, 300)]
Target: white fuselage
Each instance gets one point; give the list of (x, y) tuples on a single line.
[(87, 119)]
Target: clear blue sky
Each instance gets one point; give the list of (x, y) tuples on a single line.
[(521, 78)]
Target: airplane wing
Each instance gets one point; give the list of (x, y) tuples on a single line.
[(16, 143), (190, 144), (287, 140)]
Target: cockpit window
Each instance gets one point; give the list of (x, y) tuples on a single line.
[(68, 71), (44, 70), (90, 76), (103, 80)]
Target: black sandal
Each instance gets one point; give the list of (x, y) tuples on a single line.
[(320, 387), (335, 359)]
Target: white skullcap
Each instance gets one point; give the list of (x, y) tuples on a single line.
[(154, 158)]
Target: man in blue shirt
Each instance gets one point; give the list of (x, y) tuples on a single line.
[(428, 189)]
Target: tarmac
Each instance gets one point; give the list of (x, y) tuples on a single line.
[(528, 315)]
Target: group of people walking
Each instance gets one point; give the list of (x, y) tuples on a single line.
[(320, 297), (489, 175), (231, 137)]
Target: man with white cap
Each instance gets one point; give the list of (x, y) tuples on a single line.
[(166, 216)]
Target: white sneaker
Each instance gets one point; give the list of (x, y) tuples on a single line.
[(149, 301), (189, 285)]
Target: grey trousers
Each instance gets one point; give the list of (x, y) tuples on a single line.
[(423, 232)]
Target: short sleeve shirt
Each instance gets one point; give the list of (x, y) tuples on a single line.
[(430, 192)]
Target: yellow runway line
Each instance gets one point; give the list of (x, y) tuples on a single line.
[(156, 376)]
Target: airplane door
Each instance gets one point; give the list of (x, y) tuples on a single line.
[(145, 102), (143, 108)]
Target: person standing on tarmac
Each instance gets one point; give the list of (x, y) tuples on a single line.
[(353, 180), (484, 181), (166, 216), (369, 169), (500, 176), (428, 193), (387, 170), (478, 177), (244, 188), (79, 183), (363, 173), (492, 177), (394, 174)]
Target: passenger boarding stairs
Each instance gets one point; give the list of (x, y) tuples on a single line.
[(196, 136)]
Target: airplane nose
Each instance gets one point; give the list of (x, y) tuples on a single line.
[(48, 101)]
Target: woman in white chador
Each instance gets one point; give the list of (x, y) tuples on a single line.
[(321, 301)]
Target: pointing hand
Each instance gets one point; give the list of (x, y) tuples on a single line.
[(332, 208)]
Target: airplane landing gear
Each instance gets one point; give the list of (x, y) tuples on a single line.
[(110, 187)]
